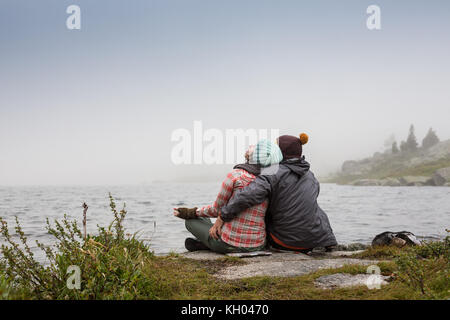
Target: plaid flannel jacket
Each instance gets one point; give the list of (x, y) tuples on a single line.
[(247, 230)]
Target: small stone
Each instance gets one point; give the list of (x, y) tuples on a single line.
[(442, 176)]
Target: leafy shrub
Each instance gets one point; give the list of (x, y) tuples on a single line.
[(110, 263), (426, 268)]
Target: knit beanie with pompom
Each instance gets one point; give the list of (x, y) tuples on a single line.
[(266, 153), (291, 147)]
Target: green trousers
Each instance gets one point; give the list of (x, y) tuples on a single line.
[(200, 229)]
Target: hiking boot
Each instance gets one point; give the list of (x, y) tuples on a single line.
[(331, 248), (194, 245)]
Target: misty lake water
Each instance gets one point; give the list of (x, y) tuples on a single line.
[(356, 214)]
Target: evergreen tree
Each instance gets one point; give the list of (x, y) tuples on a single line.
[(430, 139), (389, 141), (395, 147), (411, 142), (403, 146)]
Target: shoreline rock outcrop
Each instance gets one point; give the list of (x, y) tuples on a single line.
[(442, 177), (422, 167)]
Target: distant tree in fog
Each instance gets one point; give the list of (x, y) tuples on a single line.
[(395, 147), (403, 146), (389, 141), (411, 142), (430, 139)]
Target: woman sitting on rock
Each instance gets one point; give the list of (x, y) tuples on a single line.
[(245, 233)]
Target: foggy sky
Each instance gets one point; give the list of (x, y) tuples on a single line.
[(98, 105)]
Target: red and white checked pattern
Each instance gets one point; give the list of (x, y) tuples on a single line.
[(248, 229)]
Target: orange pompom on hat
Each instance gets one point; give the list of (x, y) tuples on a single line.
[(304, 138), (291, 146)]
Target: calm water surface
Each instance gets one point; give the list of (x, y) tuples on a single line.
[(356, 214)]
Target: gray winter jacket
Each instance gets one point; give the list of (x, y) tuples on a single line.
[(293, 216)]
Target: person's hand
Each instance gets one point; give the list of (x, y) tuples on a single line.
[(249, 152), (185, 213), (216, 230), (176, 213)]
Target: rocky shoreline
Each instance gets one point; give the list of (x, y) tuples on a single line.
[(441, 177), (422, 167)]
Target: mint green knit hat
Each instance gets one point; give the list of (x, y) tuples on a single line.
[(266, 153)]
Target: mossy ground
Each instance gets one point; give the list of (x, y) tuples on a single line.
[(175, 277)]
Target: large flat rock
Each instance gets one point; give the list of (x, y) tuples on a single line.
[(286, 267), (334, 254), (281, 264), (276, 256), (203, 255)]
